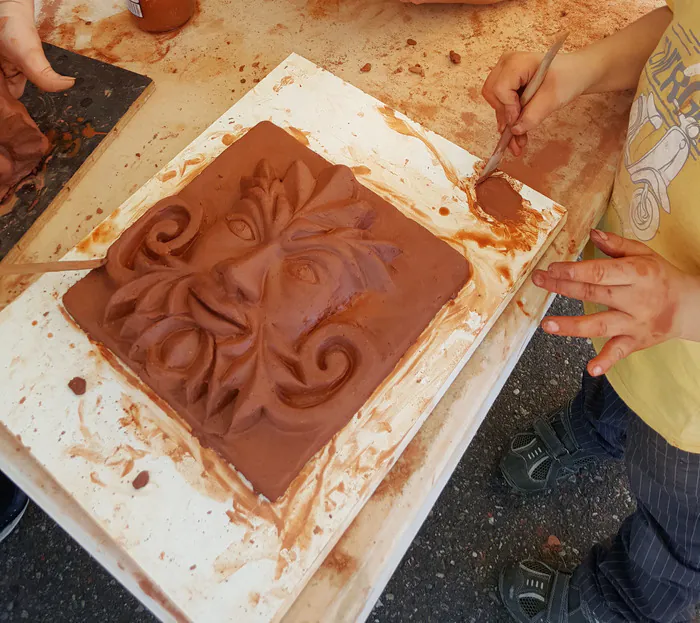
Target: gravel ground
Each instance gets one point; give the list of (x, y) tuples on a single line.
[(450, 571)]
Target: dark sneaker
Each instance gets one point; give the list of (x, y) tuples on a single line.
[(13, 503), (543, 456), (533, 592)]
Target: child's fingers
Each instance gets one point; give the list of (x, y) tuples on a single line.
[(505, 88), (617, 246), (489, 95), (610, 296), (540, 107), (606, 272), (615, 349), (515, 147), (602, 324)]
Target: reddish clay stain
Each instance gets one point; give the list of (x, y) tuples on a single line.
[(320, 9), (168, 175), (22, 399), (536, 169), (521, 305), (469, 118), (361, 170), (46, 24), (158, 596), (88, 132), (411, 459), (475, 19), (444, 211), (100, 235), (340, 563), (115, 39), (300, 135), (505, 273), (96, 479)]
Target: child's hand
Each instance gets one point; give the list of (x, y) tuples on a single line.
[(21, 54), (565, 80), (649, 300)]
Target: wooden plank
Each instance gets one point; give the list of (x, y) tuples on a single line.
[(80, 123), (256, 566)]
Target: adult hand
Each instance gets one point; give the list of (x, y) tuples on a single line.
[(649, 301), (21, 54), (565, 80)]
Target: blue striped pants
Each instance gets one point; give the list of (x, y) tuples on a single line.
[(650, 573)]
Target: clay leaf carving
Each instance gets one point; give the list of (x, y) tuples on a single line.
[(263, 307)]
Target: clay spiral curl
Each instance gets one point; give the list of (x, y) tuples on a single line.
[(156, 239)]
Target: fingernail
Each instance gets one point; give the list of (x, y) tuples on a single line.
[(597, 371), (601, 234), (517, 129), (550, 326), (537, 278), (501, 127)]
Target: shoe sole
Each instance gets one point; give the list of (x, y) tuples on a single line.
[(9, 529)]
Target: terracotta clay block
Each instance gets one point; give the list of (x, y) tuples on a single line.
[(267, 301), (22, 145)]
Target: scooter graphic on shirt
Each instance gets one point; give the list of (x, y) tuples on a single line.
[(658, 167)]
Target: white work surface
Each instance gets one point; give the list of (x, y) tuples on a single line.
[(195, 543)]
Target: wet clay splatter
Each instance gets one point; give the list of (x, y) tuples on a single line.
[(300, 135), (340, 564)]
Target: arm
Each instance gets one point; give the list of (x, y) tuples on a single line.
[(611, 64), (21, 54), (615, 63), (451, 1)]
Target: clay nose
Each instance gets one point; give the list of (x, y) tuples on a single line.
[(247, 274)]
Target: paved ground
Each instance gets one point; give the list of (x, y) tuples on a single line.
[(448, 575)]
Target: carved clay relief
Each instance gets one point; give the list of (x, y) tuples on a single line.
[(243, 315)]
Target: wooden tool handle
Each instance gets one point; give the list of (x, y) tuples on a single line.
[(50, 267), (541, 72), (527, 94)]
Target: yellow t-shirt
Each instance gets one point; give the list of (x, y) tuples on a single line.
[(656, 199)]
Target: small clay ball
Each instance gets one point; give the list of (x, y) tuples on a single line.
[(77, 385), (141, 480)]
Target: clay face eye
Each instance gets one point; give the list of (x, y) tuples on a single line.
[(241, 229), (303, 270)]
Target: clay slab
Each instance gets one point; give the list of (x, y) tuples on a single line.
[(195, 543)]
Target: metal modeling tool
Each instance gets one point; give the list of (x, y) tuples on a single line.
[(526, 96)]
